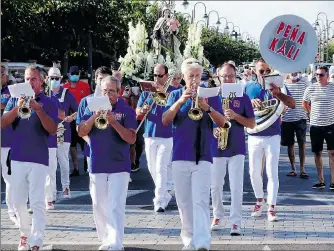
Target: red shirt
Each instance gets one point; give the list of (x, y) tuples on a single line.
[(80, 91)]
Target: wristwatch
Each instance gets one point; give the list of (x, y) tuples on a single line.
[(210, 109)]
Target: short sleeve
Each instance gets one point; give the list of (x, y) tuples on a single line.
[(81, 110), (307, 95), (141, 99), (130, 121), (248, 108), (52, 110), (10, 104), (86, 115), (171, 100)]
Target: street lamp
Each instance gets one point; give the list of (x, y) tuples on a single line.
[(226, 26), (187, 16), (193, 13), (218, 22), (185, 4), (326, 30), (204, 24), (237, 34)]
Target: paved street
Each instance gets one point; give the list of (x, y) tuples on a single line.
[(306, 217)]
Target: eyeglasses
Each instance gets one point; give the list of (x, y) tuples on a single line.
[(228, 76), (320, 74), (159, 76), (194, 62), (261, 71), (108, 92), (54, 78), (74, 73)]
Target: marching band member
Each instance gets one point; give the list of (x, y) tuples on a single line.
[(265, 143), (30, 164), (6, 138), (192, 157), (241, 115), (100, 73), (110, 164), (318, 100), (294, 122), (158, 139), (69, 106), (176, 81)]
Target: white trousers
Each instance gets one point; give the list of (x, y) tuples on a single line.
[(109, 192), (50, 185), (64, 164), (158, 154), (170, 183), (29, 179), (7, 178), (192, 192), (89, 165), (235, 165), (270, 147)]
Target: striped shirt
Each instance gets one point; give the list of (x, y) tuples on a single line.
[(297, 92), (322, 104)]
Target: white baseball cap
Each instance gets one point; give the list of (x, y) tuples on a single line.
[(54, 72)]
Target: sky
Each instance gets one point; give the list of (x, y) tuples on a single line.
[(252, 16)]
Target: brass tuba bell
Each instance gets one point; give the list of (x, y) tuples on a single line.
[(101, 122), (24, 111)]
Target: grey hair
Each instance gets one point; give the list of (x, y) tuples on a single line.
[(190, 63), (113, 79), (42, 73)]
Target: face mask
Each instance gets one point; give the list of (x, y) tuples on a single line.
[(55, 84), (74, 78)]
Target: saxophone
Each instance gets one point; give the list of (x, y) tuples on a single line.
[(222, 132)]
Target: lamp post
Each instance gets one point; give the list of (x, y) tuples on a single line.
[(193, 12), (323, 55), (226, 26), (247, 36), (326, 30), (204, 23), (217, 23), (237, 34), (187, 16)]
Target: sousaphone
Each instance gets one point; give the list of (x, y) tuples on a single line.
[(288, 43)]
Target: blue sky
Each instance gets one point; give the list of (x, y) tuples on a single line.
[(252, 16)]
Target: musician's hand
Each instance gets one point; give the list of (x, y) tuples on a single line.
[(35, 106), (111, 118), (257, 103), (145, 109), (216, 132), (68, 119), (202, 102), (274, 90), (185, 96), (229, 114)]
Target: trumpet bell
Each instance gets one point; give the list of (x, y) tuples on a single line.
[(160, 98), (101, 123), (195, 114), (24, 112)]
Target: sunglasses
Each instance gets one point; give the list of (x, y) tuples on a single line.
[(261, 71), (320, 74), (74, 73), (159, 76), (54, 78)]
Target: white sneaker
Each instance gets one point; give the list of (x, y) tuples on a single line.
[(235, 230), (215, 224), (67, 193), (49, 206), (189, 247), (23, 245), (30, 211), (104, 247), (257, 210), (272, 215)]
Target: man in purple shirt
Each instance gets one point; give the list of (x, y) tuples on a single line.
[(29, 157), (158, 139), (265, 143), (192, 157), (240, 114), (110, 164), (5, 144)]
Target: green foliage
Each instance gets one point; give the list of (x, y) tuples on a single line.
[(331, 52)]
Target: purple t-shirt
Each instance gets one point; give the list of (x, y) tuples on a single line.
[(52, 140), (81, 111), (6, 133), (153, 123), (29, 138), (70, 106), (109, 152), (186, 131), (254, 90), (236, 138)]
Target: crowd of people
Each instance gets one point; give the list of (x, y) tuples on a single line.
[(179, 134)]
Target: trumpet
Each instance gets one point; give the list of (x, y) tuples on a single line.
[(195, 113), (222, 132), (24, 111), (101, 122)]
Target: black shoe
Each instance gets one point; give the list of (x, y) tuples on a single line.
[(319, 186), (331, 187), (160, 210), (74, 173), (134, 168)]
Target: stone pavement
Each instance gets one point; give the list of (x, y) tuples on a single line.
[(72, 227)]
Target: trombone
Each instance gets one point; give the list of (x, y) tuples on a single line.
[(195, 113)]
